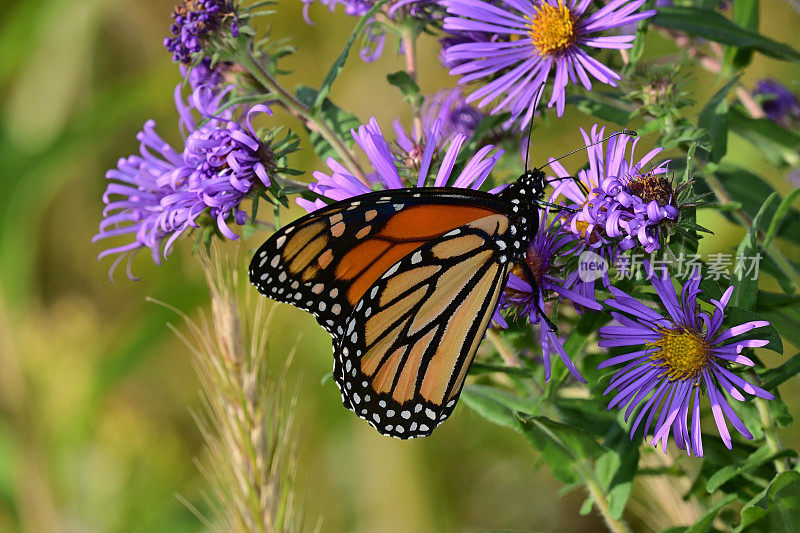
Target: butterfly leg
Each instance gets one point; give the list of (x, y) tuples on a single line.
[(536, 292), (558, 207)]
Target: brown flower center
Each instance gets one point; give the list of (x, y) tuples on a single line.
[(651, 187)]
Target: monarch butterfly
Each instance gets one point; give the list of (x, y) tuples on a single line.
[(406, 282)]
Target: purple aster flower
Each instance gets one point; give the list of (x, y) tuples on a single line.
[(449, 106), (193, 21), (159, 195), (778, 102), (395, 169), (618, 203), (535, 38), (454, 117), (681, 357), (542, 259)]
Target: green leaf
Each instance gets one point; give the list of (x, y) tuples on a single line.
[(709, 24), (339, 120), (776, 508), (785, 318), (495, 406), (745, 14), (338, 65), (403, 81), (714, 119), (752, 191), (616, 469), (775, 376), (780, 215), (604, 110), (563, 447), (776, 143), (703, 525), (760, 457), (745, 284)]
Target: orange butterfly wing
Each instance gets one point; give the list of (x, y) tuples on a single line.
[(406, 282)]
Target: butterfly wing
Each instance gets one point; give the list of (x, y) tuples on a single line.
[(412, 337), (324, 262)]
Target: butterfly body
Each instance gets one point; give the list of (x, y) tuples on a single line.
[(406, 282)]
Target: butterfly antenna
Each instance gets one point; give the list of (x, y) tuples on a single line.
[(577, 182), (623, 132), (530, 129), (528, 149)]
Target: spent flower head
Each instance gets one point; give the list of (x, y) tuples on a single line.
[(677, 359), (527, 40), (156, 197)]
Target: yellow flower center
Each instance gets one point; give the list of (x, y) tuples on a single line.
[(683, 353), (553, 28)]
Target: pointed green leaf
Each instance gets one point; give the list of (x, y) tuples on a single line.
[(776, 508), (711, 25), (339, 120), (746, 283), (780, 215), (403, 81), (775, 376), (760, 457), (495, 405), (338, 65), (703, 525), (714, 119)]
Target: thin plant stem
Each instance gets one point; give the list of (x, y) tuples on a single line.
[(409, 40), (301, 111), (617, 525), (768, 424), (506, 353)]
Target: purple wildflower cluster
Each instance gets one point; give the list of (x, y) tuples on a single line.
[(619, 205), (193, 21), (157, 196), (681, 354)]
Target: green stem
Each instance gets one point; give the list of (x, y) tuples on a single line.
[(409, 40), (301, 111), (601, 502), (769, 432)]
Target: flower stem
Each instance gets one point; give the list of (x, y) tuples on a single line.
[(409, 40), (301, 111), (768, 424), (601, 502)]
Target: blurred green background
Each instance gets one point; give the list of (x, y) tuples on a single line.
[(96, 394)]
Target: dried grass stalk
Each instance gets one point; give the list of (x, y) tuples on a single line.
[(247, 416)]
